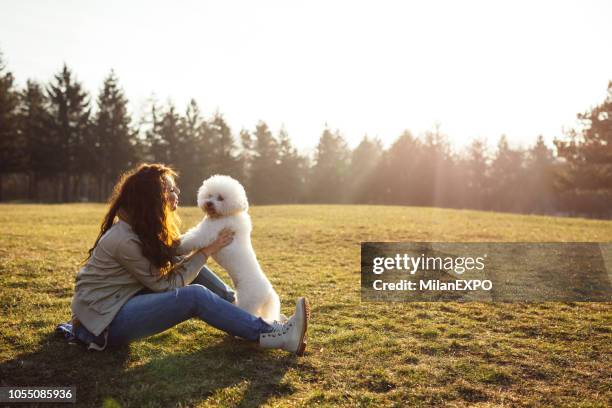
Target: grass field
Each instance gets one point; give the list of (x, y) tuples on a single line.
[(359, 354)]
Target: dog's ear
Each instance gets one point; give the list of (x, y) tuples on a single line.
[(202, 192), (244, 202)]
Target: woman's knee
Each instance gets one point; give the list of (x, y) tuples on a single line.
[(198, 296)]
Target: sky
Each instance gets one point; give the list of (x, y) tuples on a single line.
[(478, 69)]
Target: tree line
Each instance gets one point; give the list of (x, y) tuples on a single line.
[(59, 145)]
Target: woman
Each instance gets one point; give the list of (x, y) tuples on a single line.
[(132, 285)]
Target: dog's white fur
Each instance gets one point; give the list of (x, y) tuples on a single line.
[(224, 201)]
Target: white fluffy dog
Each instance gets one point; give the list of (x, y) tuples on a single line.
[(224, 201)]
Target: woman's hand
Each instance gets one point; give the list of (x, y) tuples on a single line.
[(226, 236)]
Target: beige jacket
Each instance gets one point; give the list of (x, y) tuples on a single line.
[(116, 271)]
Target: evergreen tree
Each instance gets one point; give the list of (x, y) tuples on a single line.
[(70, 114), (34, 121), (539, 182), (394, 178), (169, 136), (477, 173), (224, 157), (114, 148), (434, 170), (164, 136), (586, 180), (290, 176), (247, 153), (266, 159), (193, 163), (9, 144), (330, 171), (191, 124), (152, 146), (364, 160), (507, 174)]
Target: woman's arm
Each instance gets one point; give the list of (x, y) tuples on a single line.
[(129, 255)]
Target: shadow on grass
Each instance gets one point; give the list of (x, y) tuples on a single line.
[(226, 372)]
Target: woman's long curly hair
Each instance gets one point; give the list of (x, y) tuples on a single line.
[(140, 195)]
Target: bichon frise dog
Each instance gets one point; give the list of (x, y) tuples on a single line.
[(224, 201)]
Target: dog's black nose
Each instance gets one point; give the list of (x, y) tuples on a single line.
[(208, 204)]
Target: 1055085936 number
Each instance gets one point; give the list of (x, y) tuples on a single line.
[(37, 394)]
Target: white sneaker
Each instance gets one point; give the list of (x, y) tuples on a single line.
[(291, 334)]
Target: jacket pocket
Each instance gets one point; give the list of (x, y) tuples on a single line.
[(105, 304)]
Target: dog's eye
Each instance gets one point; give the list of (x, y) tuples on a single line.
[(220, 198)]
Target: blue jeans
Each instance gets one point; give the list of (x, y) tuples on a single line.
[(148, 313)]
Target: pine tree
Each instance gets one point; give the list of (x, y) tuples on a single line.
[(477, 173), (169, 135), (587, 177), (114, 147), (70, 114), (193, 164), (330, 171), (152, 146), (436, 165), (34, 121), (247, 153), (394, 178), (507, 173), (224, 155), (539, 182), (266, 159), (364, 160), (290, 177), (9, 143)]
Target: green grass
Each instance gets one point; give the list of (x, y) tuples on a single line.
[(359, 354)]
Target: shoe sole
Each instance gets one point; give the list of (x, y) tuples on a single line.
[(302, 348)]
